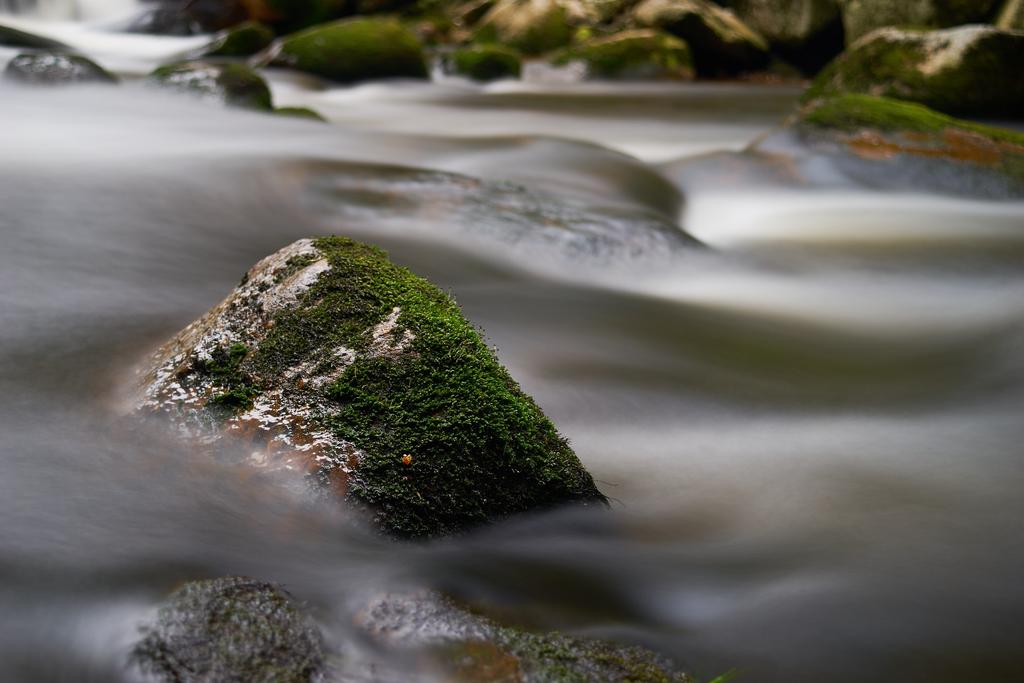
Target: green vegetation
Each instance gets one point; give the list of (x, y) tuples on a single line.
[(487, 62), (234, 84), (243, 40), (632, 54), (480, 449), (533, 28), (353, 50)]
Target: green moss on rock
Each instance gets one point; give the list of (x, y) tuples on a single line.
[(354, 50), (55, 69), (300, 113), (487, 62), (640, 53), (861, 17), (971, 70), (370, 378), (234, 84), (231, 630), (720, 42), (243, 40), (531, 26)]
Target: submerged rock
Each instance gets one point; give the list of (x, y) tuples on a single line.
[(468, 647), (487, 62), (231, 630), (55, 69), (233, 84), (861, 17), (971, 70), (330, 361), (721, 43), (641, 53), (354, 50), (243, 40), (530, 26)]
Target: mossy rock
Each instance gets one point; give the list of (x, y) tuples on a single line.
[(487, 62), (861, 17), (903, 145), (354, 50), (300, 113), (720, 42), (243, 40), (234, 84), (12, 37), (55, 69), (968, 71), (806, 33), (469, 647), (334, 362), (531, 26), (638, 54), (231, 630), (1011, 16)]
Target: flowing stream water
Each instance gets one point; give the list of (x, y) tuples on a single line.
[(810, 424)]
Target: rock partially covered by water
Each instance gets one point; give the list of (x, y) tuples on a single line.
[(721, 43), (861, 17), (899, 145), (487, 62), (12, 37), (330, 361), (641, 54), (233, 84), (969, 71), (354, 50), (468, 647), (243, 40), (55, 69), (231, 630)]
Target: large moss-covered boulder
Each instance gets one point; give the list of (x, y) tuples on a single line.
[(639, 54), (861, 17), (354, 50), (231, 630), (1011, 16), (897, 145), (971, 70), (243, 40), (55, 69), (721, 43), (233, 84), (530, 26), (486, 62), (808, 33), (331, 361)]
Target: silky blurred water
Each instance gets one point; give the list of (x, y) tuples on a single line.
[(810, 423)]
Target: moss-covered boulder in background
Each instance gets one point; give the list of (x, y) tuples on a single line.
[(720, 42), (641, 53), (234, 84), (243, 40), (487, 62), (971, 70), (231, 630), (55, 69), (1011, 16), (12, 37), (807, 33), (531, 26), (330, 360), (354, 50), (861, 17)]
